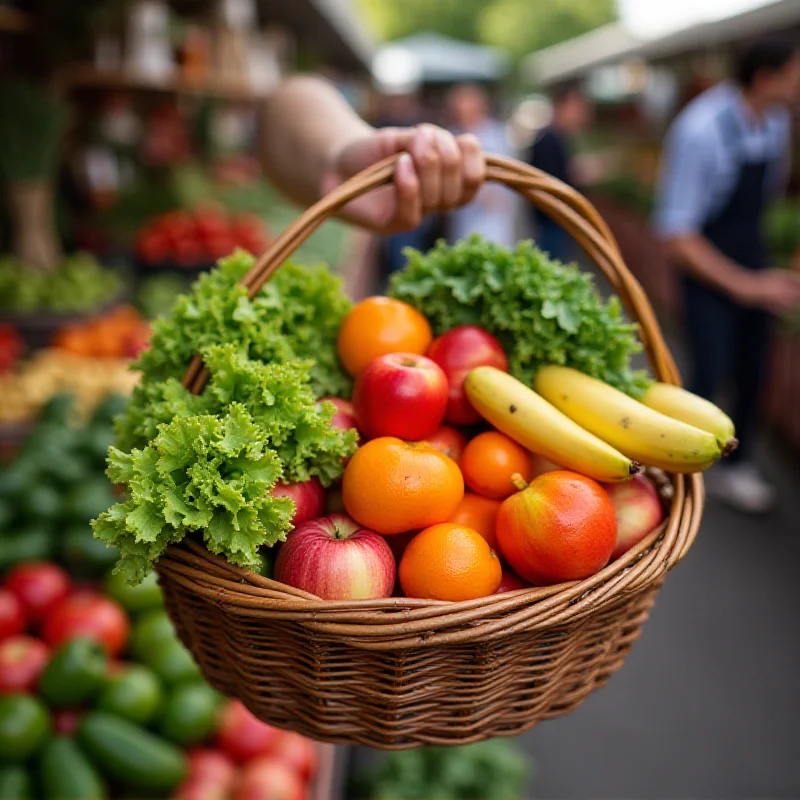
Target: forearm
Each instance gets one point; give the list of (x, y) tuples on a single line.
[(704, 262), (306, 121)]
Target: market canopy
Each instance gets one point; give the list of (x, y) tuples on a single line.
[(432, 58), (613, 43)]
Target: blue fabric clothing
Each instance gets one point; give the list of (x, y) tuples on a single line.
[(701, 164)]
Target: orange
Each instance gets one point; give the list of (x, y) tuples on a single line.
[(392, 486), (562, 527), (377, 326), (449, 562), (480, 514), (489, 462)]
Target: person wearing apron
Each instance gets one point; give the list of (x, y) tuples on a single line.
[(726, 155)]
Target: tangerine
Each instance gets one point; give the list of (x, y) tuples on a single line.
[(450, 441), (561, 527), (377, 326), (391, 486), (449, 562), (490, 460), (480, 514)]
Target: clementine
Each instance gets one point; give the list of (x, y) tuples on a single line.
[(450, 441), (490, 460), (561, 527), (391, 486), (377, 326), (449, 562), (480, 514)]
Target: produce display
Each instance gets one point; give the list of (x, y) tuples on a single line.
[(198, 238), (77, 285), (492, 418), (120, 333), (27, 387), (99, 699), (55, 486), (11, 347)]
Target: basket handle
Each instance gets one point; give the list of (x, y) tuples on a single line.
[(560, 202)]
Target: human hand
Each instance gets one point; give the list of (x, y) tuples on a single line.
[(774, 290), (437, 172)]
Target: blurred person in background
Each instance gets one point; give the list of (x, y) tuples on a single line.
[(726, 155), (552, 152), (492, 213)]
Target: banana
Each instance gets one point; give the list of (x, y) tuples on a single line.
[(530, 420), (693, 410), (634, 429)]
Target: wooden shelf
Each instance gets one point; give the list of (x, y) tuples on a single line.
[(13, 20), (83, 77)]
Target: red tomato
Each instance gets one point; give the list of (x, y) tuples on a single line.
[(152, 247), (241, 735), (266, 778), (211, 776), (12, 614), (220, 246), (39, 585), (188, 252), (65, 721), (178, 224), (210, 222), (22, 658), (253, 243), (95, 617), (296, 752)]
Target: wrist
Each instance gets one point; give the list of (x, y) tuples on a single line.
[(742, 287)]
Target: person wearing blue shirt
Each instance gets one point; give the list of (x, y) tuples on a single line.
[(726, 156)]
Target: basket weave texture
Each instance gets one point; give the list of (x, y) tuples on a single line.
[(400, 672)]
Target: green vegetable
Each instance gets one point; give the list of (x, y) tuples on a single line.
[(134, 693), (492, 770), (66, 773), (24, 726), (152, 630), (190, 713), (41, 501), (541, 311), (129, 754), (142, 597), (31, 126), (59, 409), (89, 499), (34, 542), (74, 674), (173, 663), (83, 555), (15, 783)]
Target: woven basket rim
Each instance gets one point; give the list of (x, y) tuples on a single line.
[(404, 623)]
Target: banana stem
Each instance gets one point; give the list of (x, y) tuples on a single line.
[(729, 446)]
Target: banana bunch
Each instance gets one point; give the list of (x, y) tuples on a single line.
[(583, 424)]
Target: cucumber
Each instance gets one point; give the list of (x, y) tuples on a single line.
[(66, 773), (129, 754), (134, 694), (15, 783), (74, 674), (24, 727)]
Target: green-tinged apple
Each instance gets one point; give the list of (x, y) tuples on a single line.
[(335, 558), (638, 509), (402, 395)]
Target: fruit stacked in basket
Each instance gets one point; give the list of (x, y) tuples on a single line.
[(400, 457)]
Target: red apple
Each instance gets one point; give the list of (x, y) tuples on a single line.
[(267, 778), (511, 581), (243, 736), (297, 752), (345, 416), (402, 395), (308, 496), (22, 659), (450, 441), (457, 352), (335, 558), (638, 510)]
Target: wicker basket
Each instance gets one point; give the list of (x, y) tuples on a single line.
[(400, 673)]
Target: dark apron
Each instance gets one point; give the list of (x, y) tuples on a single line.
[(729, 342)]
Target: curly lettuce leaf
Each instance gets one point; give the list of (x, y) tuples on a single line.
[(542, 312)]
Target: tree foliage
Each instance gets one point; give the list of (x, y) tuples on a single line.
[(520, 26)]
